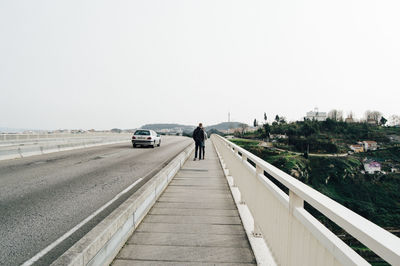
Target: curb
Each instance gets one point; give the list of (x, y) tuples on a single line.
[(104, 241)]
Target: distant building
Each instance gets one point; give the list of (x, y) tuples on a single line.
[(250, 129), (349, 120), (77, 131), (357, 148), (316, 115), (231, 131), (278, 136), (370, 145), (372, 121), (372, 167)]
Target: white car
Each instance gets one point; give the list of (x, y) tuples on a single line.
[(146, 137)]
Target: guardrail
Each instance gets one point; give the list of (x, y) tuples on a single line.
[(294, 236), (6, 137), (12, 149)]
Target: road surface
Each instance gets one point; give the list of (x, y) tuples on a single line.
[(43, 197)]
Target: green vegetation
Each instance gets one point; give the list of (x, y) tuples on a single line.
[(375, 197), (329, 136)]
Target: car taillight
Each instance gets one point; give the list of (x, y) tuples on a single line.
[(148, 137), (133, 137)]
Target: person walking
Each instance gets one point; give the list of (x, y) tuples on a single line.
[(203, 147), (199, 140)]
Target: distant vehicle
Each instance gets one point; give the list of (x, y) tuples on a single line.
[(146, 137)]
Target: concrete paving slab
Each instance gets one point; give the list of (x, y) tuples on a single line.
[(201, 172), (193, 200), (128, 262), (177, 219), (201, 167), (197, 196), (199, 192), (194, 254), (192, 228), (189, 240), (204, 178), (195, 205), (200, 183), (209, 174), (177, 188), (192, 212)]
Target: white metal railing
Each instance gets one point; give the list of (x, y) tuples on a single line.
[(294, 236)]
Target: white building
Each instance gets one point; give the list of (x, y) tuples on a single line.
[(357, 148), (316, 115), (370, 145), (372, 167)]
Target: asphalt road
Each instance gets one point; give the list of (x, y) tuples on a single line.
[(43, 197)]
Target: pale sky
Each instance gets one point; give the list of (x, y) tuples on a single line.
[(124, 63)]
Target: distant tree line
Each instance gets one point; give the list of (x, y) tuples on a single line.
[(321, 136)]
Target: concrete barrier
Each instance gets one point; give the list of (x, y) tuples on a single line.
[(21, 150), (103, 242)]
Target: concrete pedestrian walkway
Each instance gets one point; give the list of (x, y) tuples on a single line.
[(195, 221)]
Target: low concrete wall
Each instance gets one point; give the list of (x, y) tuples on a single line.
[(103, 242), (21, 150)]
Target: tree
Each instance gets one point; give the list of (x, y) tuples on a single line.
[(265, 117), (282, 120), (243, 128), (335, 115), (350, 117), (277, 118), (383, 121), (255, 123), (373, 116), (395, 120), (309, 128), (267, 130)]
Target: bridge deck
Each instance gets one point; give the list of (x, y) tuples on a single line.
[(195, 221)]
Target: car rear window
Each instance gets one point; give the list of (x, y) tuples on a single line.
[(142, 132)]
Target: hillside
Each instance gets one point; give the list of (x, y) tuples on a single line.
[(190, 128), (373, 196), (225, 126), (168, 126)]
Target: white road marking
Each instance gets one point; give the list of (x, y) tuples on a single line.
[(70, 232)]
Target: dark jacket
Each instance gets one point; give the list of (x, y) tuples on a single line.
[(198, 135)]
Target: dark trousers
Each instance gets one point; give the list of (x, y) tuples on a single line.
[(200, 147)]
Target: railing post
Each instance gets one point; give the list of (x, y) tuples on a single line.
[(242, 199), (244, 158), (294, 202), (256, 228), (235, 152)]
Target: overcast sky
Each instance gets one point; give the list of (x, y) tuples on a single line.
[(104, 64)]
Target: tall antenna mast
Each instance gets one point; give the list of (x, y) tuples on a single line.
[(229, 117)]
